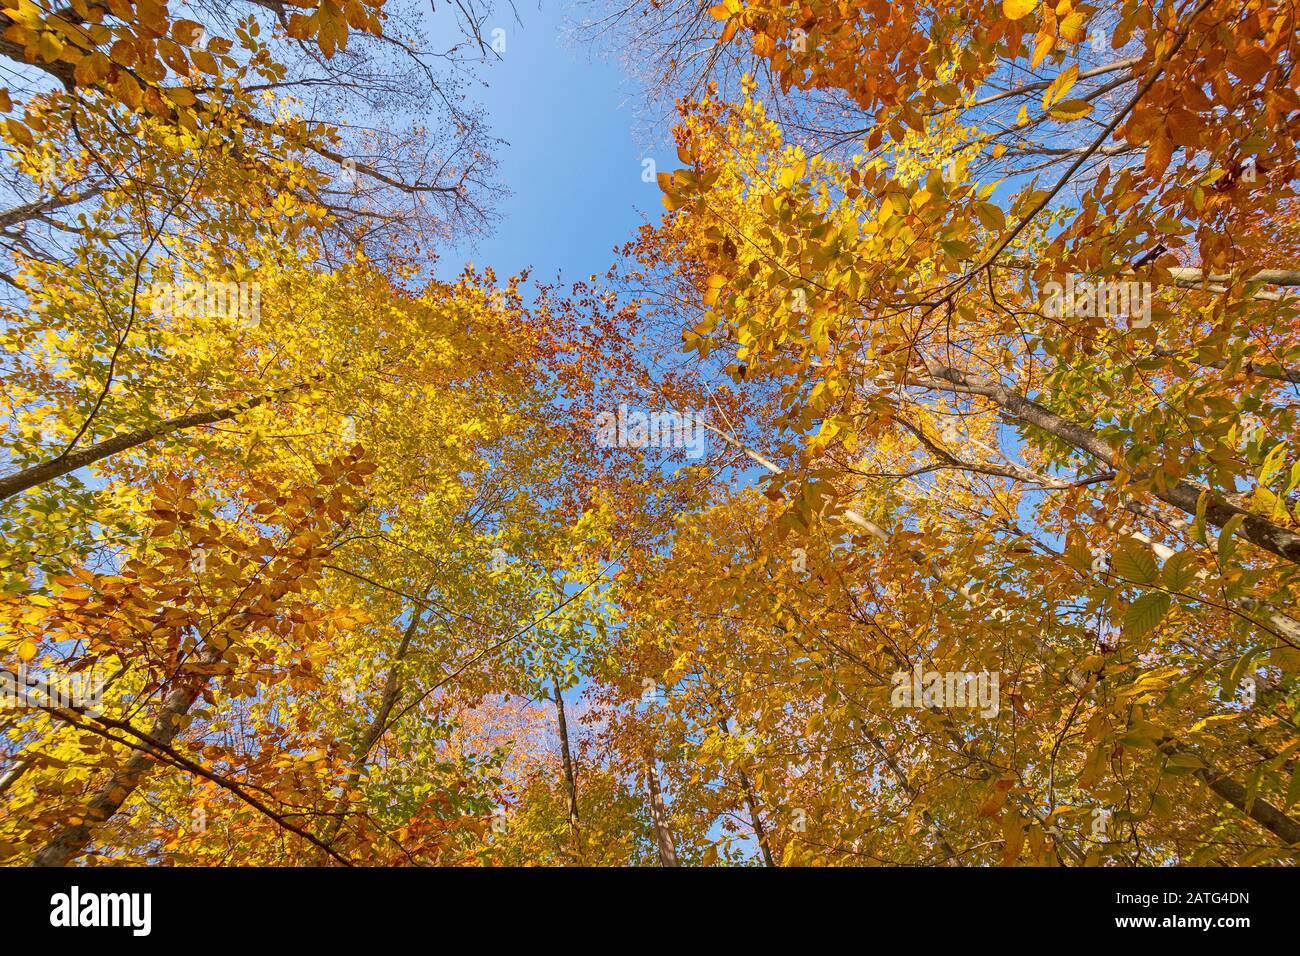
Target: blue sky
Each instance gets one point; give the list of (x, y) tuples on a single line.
[(572, 156)]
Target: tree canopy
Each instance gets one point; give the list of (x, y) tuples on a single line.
[(920, 488)]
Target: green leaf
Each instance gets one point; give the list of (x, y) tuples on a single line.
[(1272, 464), (1228, 538), (1146, 612), (1181, 763), (1135, 564), (1198, 526), (1232, 675), (1179, 571)]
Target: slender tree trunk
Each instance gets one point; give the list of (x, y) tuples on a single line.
[(1182, 494), (1261, 811), (760, 831), (570, 776), (658, 813), (63, 464), (16, 771), (379, 723), (950, 856), (751, 802), (31, 210), (71, 839)]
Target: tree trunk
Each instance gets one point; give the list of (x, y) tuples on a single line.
[(1262, 812), (570, 777), (63, 464), (1182, 495), (950, 856), (663, 835), (377, 726), (751, 802), (69, 841)]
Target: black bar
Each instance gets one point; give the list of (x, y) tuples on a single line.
[(369, 906)]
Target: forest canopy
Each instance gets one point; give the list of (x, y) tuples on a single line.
[(919, 487)]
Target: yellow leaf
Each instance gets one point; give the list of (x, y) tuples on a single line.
[(991, 216), (92, 69), (50, 47), (186, 31), (1046, 42), (1071, 110), (1015, 9), (19, 133), (1060, 86), (204, 61), (1072, 27), (1215, 719), (180, 95)]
